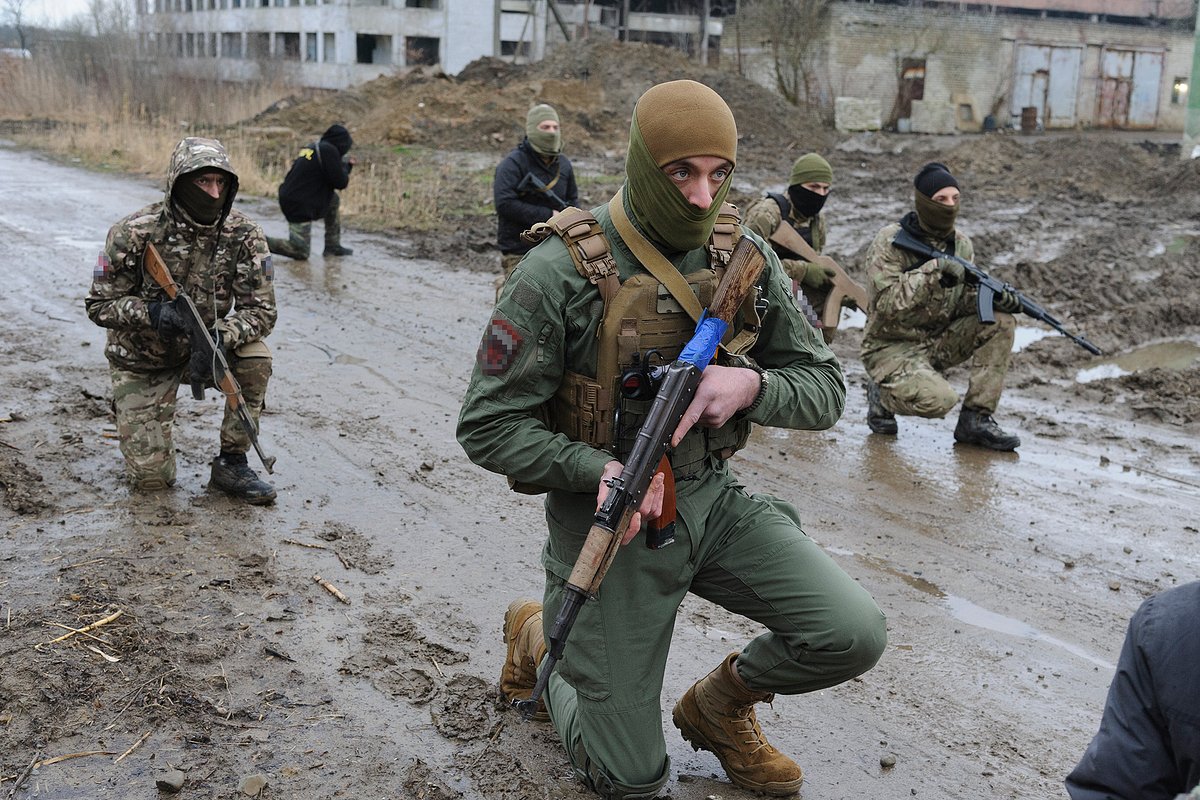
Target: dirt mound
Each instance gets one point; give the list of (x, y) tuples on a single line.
[(592, 85)]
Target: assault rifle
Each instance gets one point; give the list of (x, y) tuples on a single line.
[(842, 284), (200, 338), (679, 380), (531, 183), (988, 287)]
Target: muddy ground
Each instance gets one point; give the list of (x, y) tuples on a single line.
[(1007, 578)]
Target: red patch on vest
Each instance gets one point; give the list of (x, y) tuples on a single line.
[(501, 343)]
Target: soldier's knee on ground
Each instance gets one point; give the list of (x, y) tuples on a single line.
[(598, 780), (151, 473), (925, 394)]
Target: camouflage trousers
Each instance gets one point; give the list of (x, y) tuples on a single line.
[(145, 406), (909, 373), (298, 245)]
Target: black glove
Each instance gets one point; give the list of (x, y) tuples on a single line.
[(200, 366), (1007, 301), (953, 273), (166, 319)]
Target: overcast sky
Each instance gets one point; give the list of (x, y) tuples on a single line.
[(53, 12)]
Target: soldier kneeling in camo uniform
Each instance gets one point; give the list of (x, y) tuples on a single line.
[(219, 258)]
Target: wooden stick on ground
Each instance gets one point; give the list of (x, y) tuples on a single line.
[(133, 747), (87, 628), (329, 587), (21, 778)]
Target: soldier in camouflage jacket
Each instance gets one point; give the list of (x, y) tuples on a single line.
[(922, 320), (218, 257)]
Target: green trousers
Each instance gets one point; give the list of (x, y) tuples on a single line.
[(744, 552), (145, 406)]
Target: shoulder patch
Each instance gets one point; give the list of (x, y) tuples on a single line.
[(103, 269), (501, 343), (268, 269)]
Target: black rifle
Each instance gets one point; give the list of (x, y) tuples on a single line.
[(197, 332), (988, 287), (531, 183), (679, 380)]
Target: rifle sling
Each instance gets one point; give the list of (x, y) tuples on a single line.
[(652, 260)]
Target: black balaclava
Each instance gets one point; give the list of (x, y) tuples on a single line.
[(809, 168), (197, 203), (339, 137), (935, 219)]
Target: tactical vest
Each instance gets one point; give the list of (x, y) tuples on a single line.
[(642, 318)]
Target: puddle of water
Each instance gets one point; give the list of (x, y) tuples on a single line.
[(853, 318), (1163, 355), (980, 617), (966, 611), (1026, 336)]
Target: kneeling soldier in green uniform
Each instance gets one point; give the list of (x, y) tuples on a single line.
[(922, 320), (219, 258), (545, 409)]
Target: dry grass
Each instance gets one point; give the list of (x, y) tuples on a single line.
[(95, 110)]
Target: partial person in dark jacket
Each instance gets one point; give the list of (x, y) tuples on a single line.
[(309, 192), (1148, 745), (531, 183)]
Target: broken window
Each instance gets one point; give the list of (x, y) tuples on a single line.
[(912, 85), (1179, 90), (421, 50), (372, 49)]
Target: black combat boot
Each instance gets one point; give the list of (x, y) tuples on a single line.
[(978, 428), (879, 419), (338, 250), (232, 475)]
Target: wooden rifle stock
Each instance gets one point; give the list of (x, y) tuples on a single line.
[(843, 284)]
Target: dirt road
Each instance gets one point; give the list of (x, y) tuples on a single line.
[(1007, 579)]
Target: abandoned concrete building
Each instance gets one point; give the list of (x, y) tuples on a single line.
[(943, 67), (338, 43), (910, 65)]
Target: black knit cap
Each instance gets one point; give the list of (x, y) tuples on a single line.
[(932, 178)]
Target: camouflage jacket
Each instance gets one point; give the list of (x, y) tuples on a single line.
[(907, 300), (224, 267), (763, 217)]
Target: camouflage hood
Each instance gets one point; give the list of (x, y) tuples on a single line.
[(195, 153)]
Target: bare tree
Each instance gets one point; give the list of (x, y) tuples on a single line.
[(14, 12), (793, 31)]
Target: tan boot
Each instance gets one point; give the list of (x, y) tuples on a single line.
[(526, 646), (717, 714)]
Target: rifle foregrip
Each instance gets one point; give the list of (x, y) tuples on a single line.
[(597, 554)]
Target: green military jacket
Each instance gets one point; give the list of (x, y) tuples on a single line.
[(546, 323), (223, 267), (907, 301), (763, 217)]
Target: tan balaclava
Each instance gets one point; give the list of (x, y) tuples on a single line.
[(545, 143), (673, 121)]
